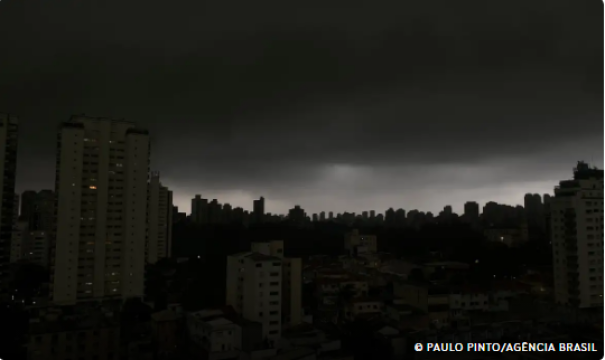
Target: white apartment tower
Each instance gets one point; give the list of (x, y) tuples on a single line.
[(292, 313), (9, 127), (101, 211), (159, 236), (576, 213), (254, 290)]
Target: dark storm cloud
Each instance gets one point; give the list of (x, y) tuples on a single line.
[(268, 97)]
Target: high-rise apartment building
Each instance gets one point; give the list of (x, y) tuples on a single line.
[(199, 210), (28, 204), (291, 280), (43, 216), (471, 211), (534, 210), (259, 210), (160, 212), (254, 290), (37, 209), (9, 127), (30, 246), (576, 216), (101, 210), (15, 210)]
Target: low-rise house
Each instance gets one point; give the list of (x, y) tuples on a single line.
[(329, 288), (425, 296), (363, 306), (73, 333), (212, 336), (168, 333), (307, 336), (467, 298)]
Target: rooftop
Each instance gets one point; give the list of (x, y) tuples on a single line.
[(62, 322), (262, 257), (254, 256), (207, 314), (294, 354)]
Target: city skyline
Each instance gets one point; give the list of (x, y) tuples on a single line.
[(294, 180), (378, 106), (184, 204)]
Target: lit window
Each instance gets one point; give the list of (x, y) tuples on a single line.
[(92, 187)]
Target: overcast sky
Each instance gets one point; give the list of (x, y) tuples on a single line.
[(331, 105)]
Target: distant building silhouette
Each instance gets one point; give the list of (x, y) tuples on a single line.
[(400, 220), (471, 211), (101, 230), (215, 211), (297, 216), (389, 217), (40, 210), (28, 204), (227, 214), (577, 238), (259, 210), (199, 210), (534, 210), (9, 127), (160, 212)]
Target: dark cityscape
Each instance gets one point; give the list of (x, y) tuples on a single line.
[(286, 181)]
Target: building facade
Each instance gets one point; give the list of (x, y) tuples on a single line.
[(292, 313), (199, 210), (576, 216), (30, 246), (213, 336), (159, 238), (9, 127), (358, 244), (101, 226), (254, 290)]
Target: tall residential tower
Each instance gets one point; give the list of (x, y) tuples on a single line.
[(101, 211), (576, 218), (159, 237), (9, 127)]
